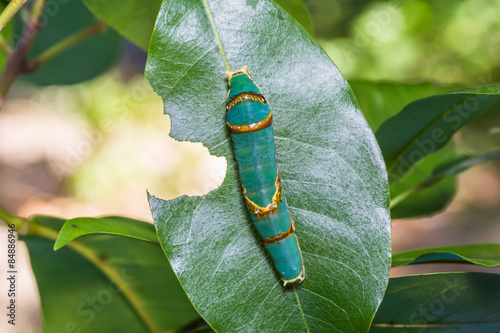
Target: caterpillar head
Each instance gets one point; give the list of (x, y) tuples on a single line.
[(241, 81)]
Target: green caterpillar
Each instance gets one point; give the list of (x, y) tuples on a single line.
[(250, 119)]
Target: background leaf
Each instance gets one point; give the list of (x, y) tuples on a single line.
[(79, 293), (440, 303), (114, 225), (406, 204), (134, 19), (382, 100), (481, 254), (298, 10), (331, 169), (426, 125), (79, 63), (431, 184)]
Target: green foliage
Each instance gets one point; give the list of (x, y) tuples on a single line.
[(81, 62), (104, 283), (113, 225), (480, 254), (331, 169), (440, 303), (110, 275), (426, 125), (134, 19)]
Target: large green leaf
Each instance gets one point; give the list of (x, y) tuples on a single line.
[(104, 284), (81, 62), (134, 19), (114, 225), (331, 169), (440, 303), (481, 254), (426, 125)]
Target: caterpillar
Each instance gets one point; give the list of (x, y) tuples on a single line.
[(250, 119)]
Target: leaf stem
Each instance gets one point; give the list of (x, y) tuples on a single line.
[(12, 219), (56, 49), (16, 62), (5, 46), (9, 11)]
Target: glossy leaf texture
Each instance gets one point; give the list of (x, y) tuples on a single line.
[(112, 225), (81, 62), (104, 283), (134, 19), (381, 100), (440, 303), (426, 125), (480, 254), (331, 170)]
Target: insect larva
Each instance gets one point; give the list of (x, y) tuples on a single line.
[(250, 119)]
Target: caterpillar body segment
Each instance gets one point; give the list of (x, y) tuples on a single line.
[(249, 119)]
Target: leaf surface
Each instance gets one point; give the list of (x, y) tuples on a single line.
[(134, 19), (440, 303), (426, 125), (381, 100), (104, 284), (119, 226), (332, 173), (480, 254), (81, 62)]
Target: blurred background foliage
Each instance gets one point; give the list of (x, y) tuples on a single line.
[(93, 148)]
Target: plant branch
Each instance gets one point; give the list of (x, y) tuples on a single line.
[(12, 219), (5, 46), (9, 11), (16, 62), (94, 29)]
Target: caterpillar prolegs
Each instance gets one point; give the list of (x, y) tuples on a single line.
[(249, 119)]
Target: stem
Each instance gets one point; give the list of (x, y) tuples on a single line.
[(9, 11), (5, 46), (16, 62), (65, 44), (12, 219)]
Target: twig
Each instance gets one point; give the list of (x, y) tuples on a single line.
[(5, 46), (11, 219), (16, 62), (9, 11), (65, 44)]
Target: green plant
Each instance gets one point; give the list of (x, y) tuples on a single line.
[(332, 168)]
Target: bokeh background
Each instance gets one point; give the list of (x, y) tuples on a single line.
[(94, 148)]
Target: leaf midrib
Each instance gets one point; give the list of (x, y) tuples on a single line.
[(216, 34)]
